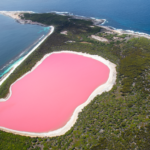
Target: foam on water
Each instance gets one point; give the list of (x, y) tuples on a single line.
[(10, 67)]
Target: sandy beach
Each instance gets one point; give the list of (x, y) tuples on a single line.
[(103, 88), (16, 65)]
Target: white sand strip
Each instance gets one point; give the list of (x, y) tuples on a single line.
[(16, 65), (102, 88)]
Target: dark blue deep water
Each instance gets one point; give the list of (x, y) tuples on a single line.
[(121, 14)]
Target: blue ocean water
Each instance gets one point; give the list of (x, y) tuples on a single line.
[(124, 14), (16, 41), (121, 14)]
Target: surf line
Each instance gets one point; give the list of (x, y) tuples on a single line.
[(17, 64)]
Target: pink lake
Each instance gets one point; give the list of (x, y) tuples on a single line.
[(45, 99)]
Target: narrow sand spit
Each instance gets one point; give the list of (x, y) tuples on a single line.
[(105, 87), (15, 66)]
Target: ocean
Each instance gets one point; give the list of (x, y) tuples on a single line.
[(16, 38), (16, 41)]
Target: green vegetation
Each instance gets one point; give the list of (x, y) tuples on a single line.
[(113, 37), (118, 119), (123, 35)]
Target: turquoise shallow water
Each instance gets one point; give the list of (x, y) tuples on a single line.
[(120, 14)]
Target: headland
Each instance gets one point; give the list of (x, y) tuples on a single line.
[(19, 17)]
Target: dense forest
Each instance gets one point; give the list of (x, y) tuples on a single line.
[(116, 120)]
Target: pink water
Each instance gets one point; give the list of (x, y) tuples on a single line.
[(45, 99)]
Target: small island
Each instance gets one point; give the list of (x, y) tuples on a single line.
[(121, 114)]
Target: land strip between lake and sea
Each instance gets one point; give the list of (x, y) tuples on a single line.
[(105, 87), (16, 65)]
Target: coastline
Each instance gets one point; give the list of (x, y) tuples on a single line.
[(17, 16), (96, 22), (102, 88), (120, 32), (16, 65), (101, 23)]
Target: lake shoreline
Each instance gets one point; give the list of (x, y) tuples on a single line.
[(102, 88)]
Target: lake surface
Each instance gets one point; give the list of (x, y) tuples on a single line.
[(45, 99), (121, 14)]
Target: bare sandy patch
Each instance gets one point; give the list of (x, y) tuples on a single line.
[(64, 32), (101, 39)]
